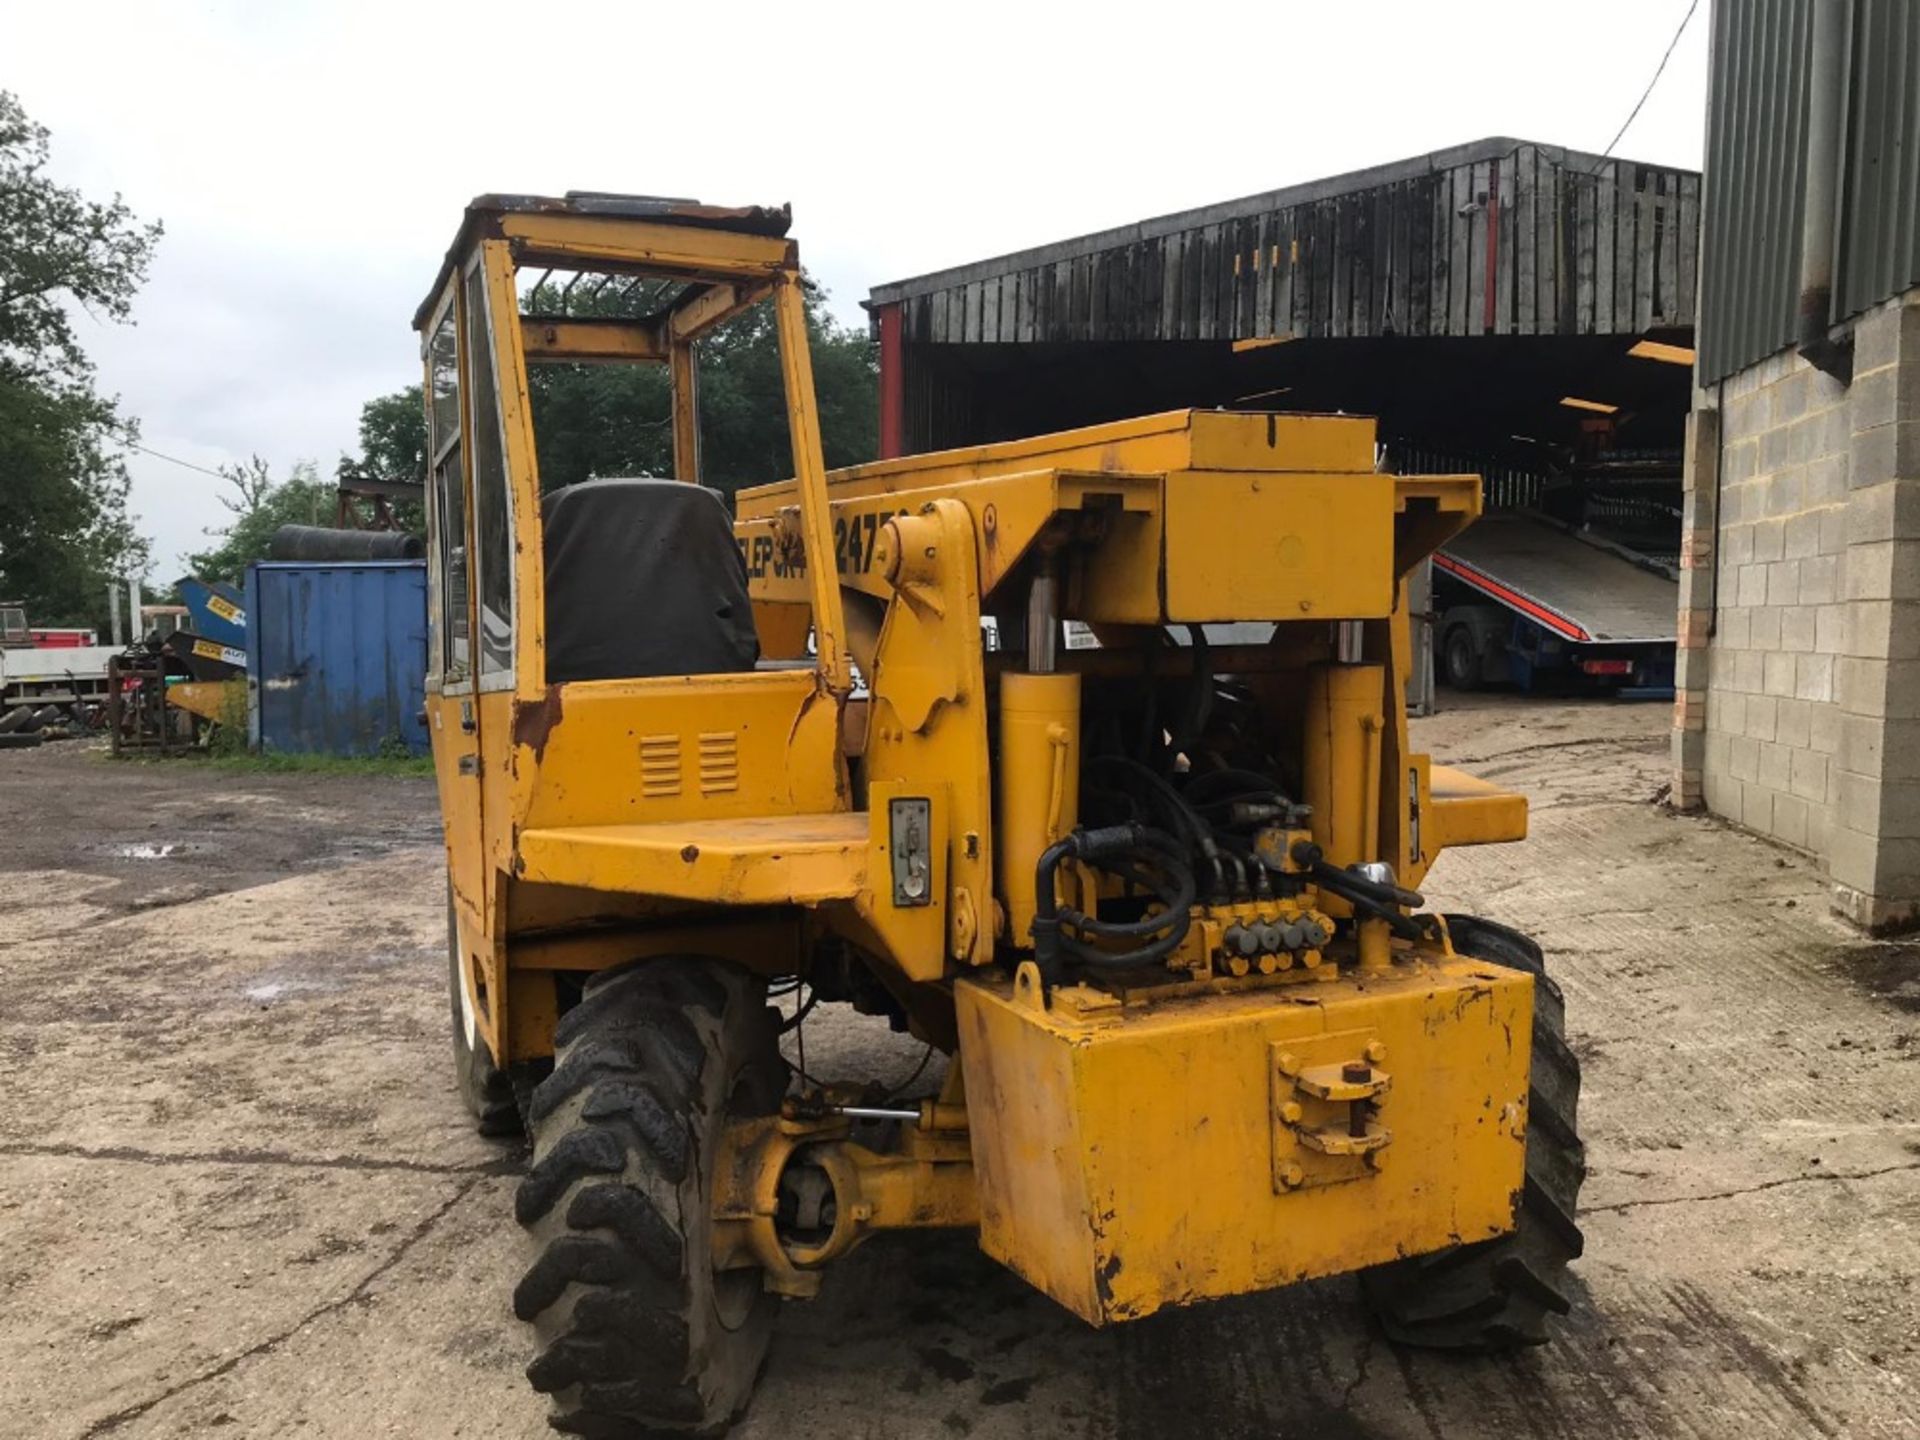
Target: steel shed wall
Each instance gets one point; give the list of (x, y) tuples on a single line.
[(1756, 172), (1755, 181), (336, 656), (1879, 251)]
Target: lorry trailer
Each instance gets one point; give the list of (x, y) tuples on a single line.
[(1520, 599)]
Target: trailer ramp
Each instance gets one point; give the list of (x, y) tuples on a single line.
[(1581, 589)]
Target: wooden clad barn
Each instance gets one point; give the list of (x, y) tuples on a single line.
[(1461, 296)]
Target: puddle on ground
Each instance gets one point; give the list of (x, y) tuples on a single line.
[(1887, 971), (265, 992)]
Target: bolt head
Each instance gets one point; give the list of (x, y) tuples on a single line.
[(1289, 1063), (1293, 1177), (1291, 1112), (1376, 1052), (1356, 1072)]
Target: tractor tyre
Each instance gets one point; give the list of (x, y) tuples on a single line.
[(1497, 1295), (485, 1088), (1460, 660), (637, 1333)]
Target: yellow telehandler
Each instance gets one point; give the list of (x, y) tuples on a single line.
[(1156, 897)]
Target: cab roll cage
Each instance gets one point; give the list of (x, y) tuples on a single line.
[(731, 260)]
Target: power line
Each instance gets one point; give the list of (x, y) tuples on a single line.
[(1634, 114), (176, 460)]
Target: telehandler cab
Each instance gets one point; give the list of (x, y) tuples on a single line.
[(1157, 899)]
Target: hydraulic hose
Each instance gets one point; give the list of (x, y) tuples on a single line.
[(1372, 899), (1177, 814), (1114, 848), (1200, 698), (1173, 804), (1347, 883)]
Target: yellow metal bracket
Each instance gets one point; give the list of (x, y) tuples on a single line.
[(1326, 1127), (1466, 810), (927, 733)]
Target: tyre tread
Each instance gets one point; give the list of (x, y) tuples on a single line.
[(643, 1062), (1498, 1294)]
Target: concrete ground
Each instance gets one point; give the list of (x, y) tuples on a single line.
[(238, 1196)]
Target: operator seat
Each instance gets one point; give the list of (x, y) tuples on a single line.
[(643, 578)]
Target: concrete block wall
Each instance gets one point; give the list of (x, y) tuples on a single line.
[(1798, 707)]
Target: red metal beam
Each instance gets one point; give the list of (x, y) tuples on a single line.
[(1533, 609), (893, 384)]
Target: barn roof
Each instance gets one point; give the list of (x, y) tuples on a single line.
[(1576, 244)]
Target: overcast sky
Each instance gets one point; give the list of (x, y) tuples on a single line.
[(310, 160)]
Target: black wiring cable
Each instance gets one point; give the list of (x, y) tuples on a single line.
[(1645, 95), (799, 1063), (1176, 806), (800, 1041), (1177, 815), (918, 1071), (1149, 721), (1200, 700), (793, 1021), (176, 460)]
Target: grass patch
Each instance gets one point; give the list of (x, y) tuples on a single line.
[(241, 762), (275, 763)]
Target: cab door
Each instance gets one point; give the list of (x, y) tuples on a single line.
[(453, 715)]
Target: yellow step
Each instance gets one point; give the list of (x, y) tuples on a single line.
[(756, 860)]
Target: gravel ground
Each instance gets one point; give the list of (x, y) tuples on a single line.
[(239, 1198)]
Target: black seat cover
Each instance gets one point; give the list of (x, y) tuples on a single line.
[(643, 578)]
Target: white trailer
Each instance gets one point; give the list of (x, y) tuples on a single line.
[(64, 675)]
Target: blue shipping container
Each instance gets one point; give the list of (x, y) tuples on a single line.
[(336, 656)]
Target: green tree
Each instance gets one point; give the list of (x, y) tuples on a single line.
[(260, 505), (743, 417), (64, 527), (393, 438), (393, 446)]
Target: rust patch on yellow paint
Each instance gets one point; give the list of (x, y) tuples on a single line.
[(532, 724)]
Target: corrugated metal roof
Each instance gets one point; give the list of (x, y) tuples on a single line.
[(1502, 236)]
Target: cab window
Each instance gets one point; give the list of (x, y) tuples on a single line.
[(492, 502), (452, 645)]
